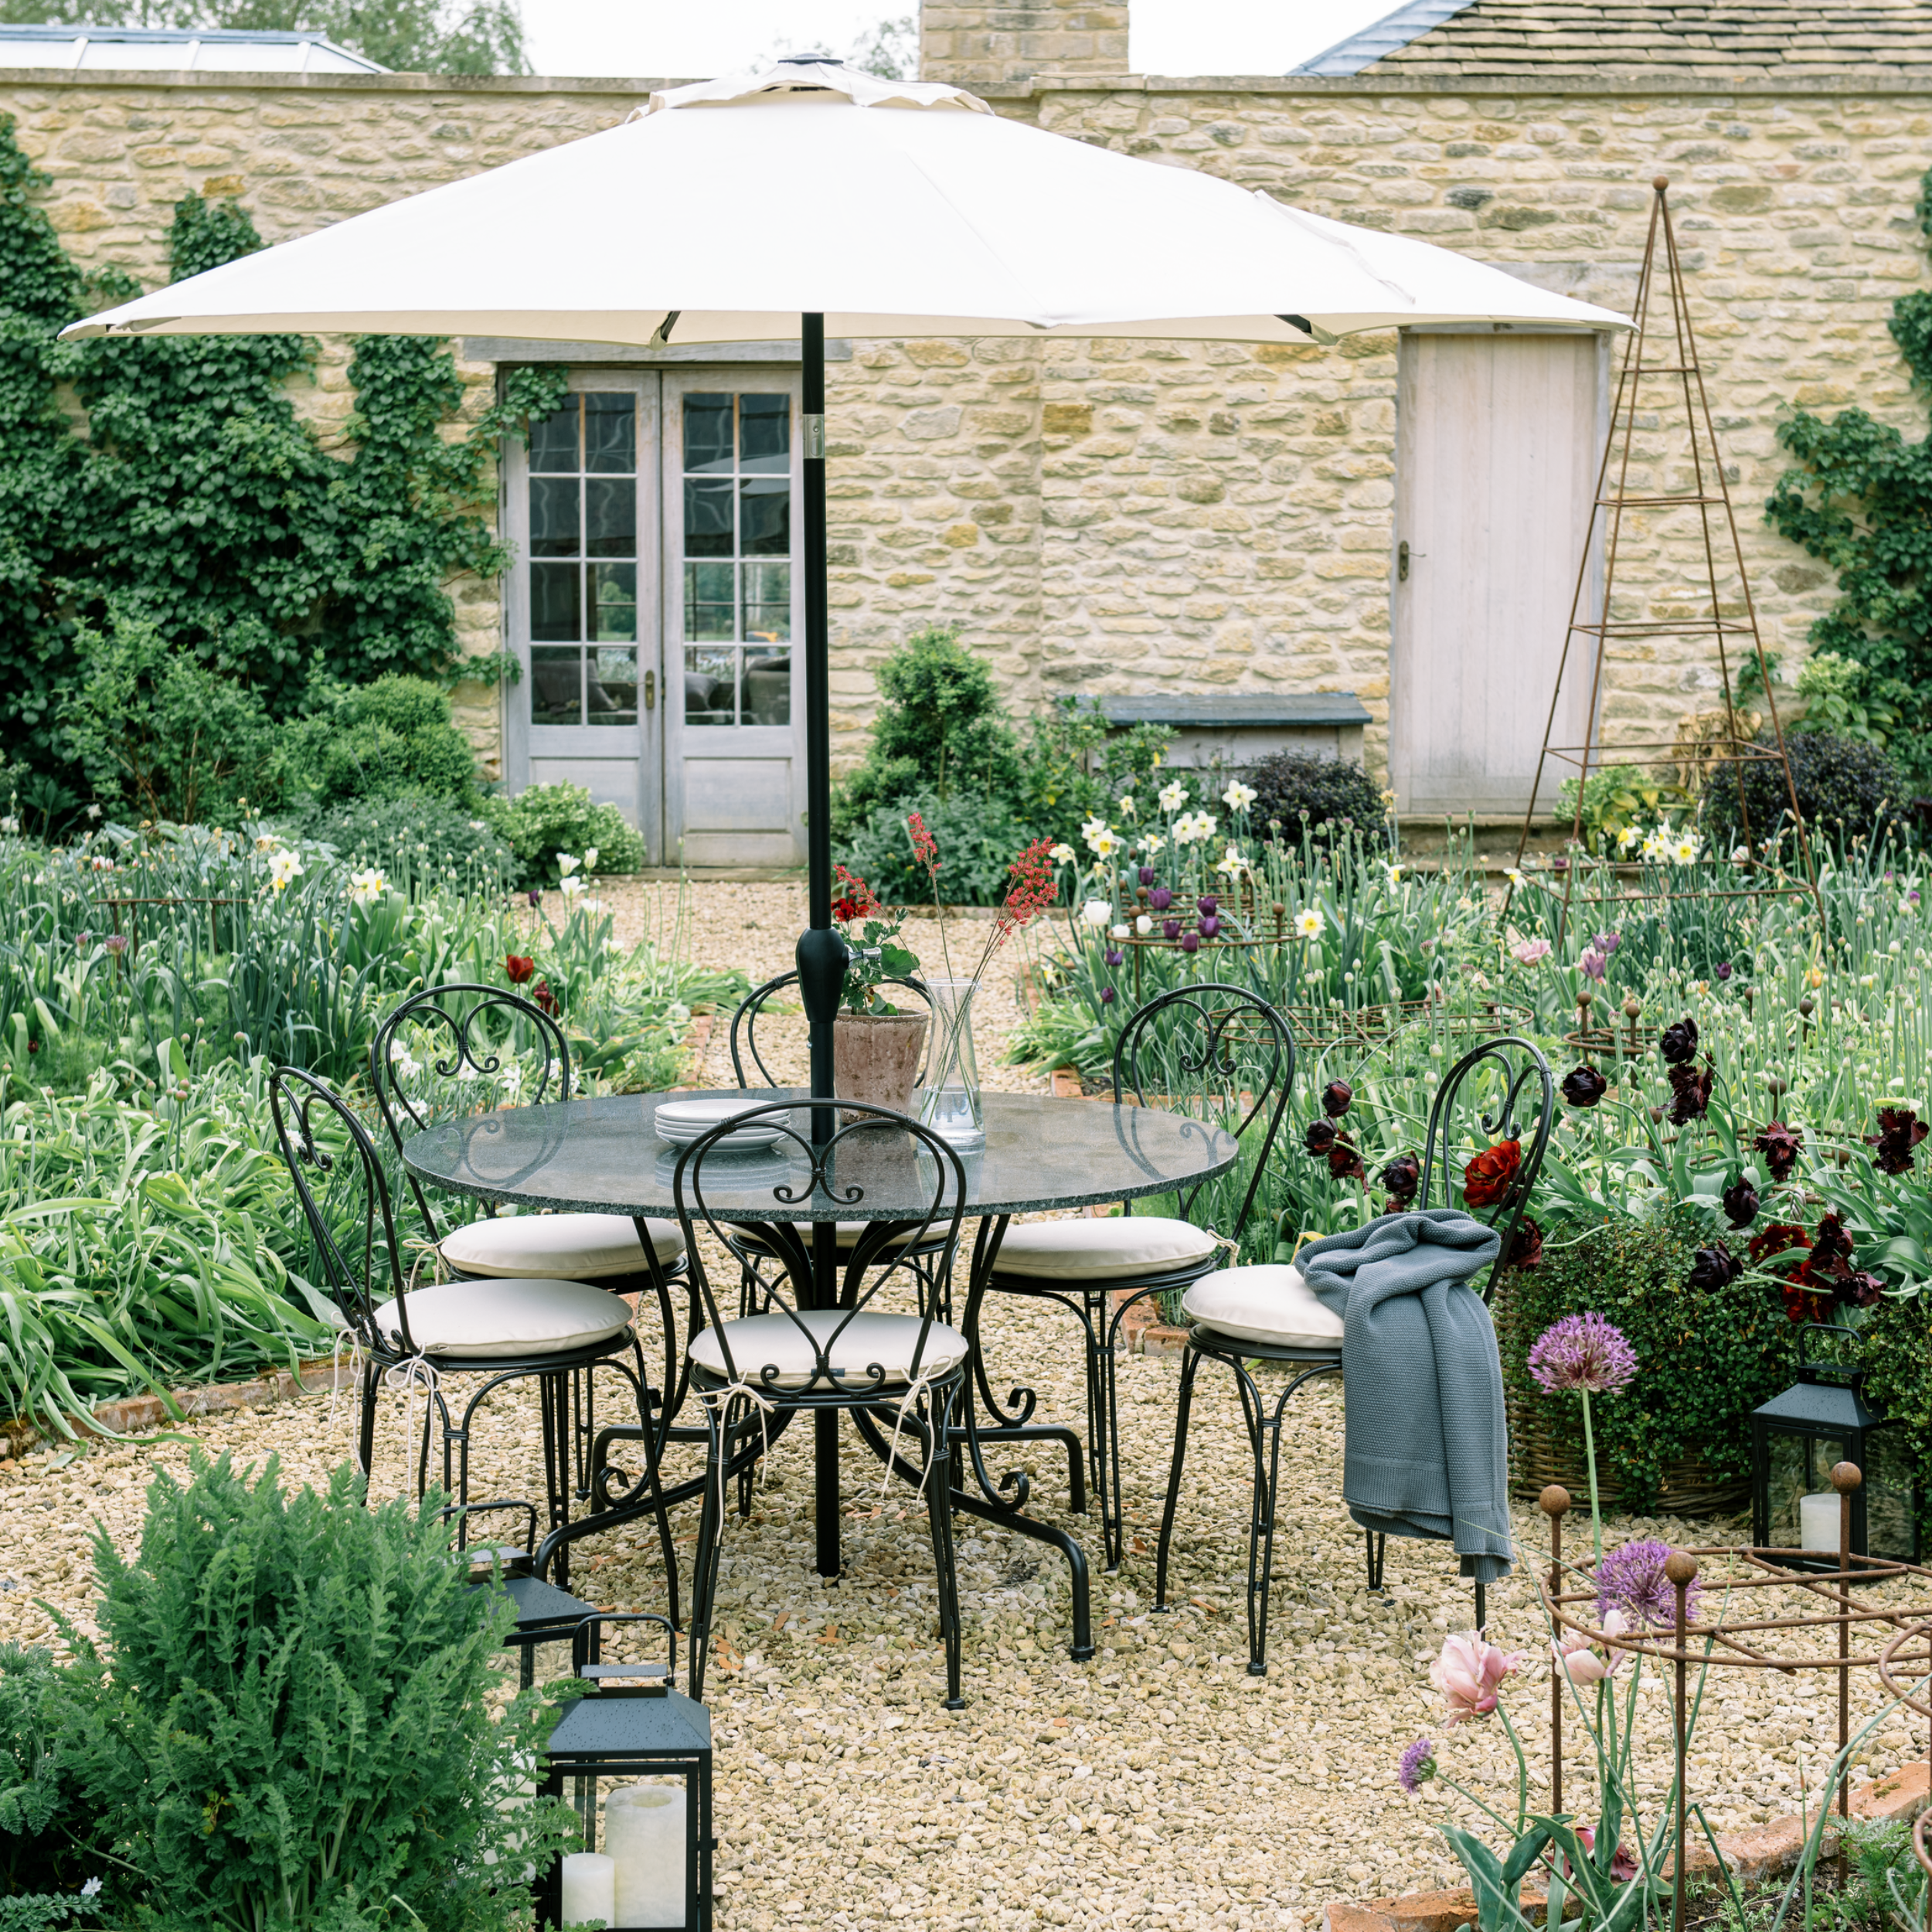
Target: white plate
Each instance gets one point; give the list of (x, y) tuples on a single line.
[(681, 1122)]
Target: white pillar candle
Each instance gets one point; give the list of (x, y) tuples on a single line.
[(590, 1888), (644, 1826), (1818, 1515)]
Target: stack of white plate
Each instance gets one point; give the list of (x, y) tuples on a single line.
[(681, 1122)]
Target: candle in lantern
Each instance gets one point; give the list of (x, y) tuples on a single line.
[(590, 1888), (1817, 1521), (644, 1826)]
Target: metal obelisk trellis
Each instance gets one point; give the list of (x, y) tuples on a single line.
[(1735, 632)]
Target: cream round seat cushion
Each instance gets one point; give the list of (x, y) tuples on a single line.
[(496, 1317), (1270, 1302), (564, 1247), (762, 1342), (1124, 1245)]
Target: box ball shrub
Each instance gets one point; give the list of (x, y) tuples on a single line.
[(1846, 787), (1325, 797)]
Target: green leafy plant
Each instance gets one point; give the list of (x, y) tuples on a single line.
[(1834, 690), (1323, 797), (389, 737), (419, 841), (49, 1846), (978, 836), (1615, 800), (542, 822), (287, 1723)]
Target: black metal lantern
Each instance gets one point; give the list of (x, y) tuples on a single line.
[(631, 1722), (545, 1614), (1796, 1438)]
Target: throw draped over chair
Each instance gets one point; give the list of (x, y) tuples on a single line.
[(501, 1328), (826, 1340), (1223, 1056), (1241, 1317)]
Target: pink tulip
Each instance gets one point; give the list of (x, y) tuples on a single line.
[(1469, 1673), (1623, 1867), (1580, 1664)]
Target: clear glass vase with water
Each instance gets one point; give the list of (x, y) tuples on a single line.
[(951, 1106)]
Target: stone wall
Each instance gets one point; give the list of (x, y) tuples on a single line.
[(1133, 517)]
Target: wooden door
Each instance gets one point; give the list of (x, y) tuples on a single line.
[(1497, 440)]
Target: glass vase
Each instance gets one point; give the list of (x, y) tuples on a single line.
[(951, 1106)]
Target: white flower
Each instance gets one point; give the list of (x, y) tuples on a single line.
[(1192, 828), (566, 865), (1740, 856), (284, 867), (91, 1888), (1238, 797), (94, 812), (1063, 855), (570, 888), (1173, 796), (1105, 844), (1152, 843), (1143, 925), (1097, 912), (364, 888), (405, 1066), (1118, 932), (100, 864), (1231, 862), (1627, 838), (1513, 876), (10, 826), (1309, 924), (1653, 844), (589, 858), (1684, 851), (1394, 875), (512, 1081), (1091, 827), (1126, 806)]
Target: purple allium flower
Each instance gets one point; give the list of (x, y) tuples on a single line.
[(1417, 1766), (1582, 1355), (1160, 898), (1147, 875), (1632, 1579)]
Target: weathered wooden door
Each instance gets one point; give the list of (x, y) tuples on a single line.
[(1497, 440)]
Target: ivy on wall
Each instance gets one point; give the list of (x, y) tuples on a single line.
[(171, 480), (1860, 499)]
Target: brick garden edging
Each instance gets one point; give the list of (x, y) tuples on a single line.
[(1755, 1857)]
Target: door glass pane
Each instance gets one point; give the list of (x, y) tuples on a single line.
[(610, 519), (610, 432), (764, 433), (708, 602), (767, 611), (553, 441), (610, 691), (767, 689), (707, 434), (556, 681), (614, 587), (553, 516), (710, 697), (707, 518), (554, 609), (766, 509)]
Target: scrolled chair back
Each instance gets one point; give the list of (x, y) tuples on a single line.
[(470, 1029), (871, 1149), (744, 1024), (1223, 1055), (338, 1175), (1495, 1182)]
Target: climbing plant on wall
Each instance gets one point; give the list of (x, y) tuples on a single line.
[(171, 480), (1860, 499)]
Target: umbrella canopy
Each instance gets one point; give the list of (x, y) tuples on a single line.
[(723, 211)]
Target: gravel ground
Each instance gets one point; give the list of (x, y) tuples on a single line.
[(1158, 1784)]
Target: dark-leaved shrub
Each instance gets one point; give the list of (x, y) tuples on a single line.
[(1846, 787), (1323, 796)]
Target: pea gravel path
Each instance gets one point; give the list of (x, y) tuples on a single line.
[(1158, 1785)]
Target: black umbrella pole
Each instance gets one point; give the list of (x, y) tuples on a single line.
[(821, 952)]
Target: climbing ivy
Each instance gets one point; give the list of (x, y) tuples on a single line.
[(169, 480), (1860, 499)]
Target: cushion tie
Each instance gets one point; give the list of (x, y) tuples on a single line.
[(718, 1400), (914, 1390), (417, 1370)]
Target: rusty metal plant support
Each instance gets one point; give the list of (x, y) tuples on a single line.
[(1741, 1642), (1675, 341)]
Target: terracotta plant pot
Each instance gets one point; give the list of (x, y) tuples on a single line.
[(875, 1057)]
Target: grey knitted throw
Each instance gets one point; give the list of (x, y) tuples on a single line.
[(1427, 1447)]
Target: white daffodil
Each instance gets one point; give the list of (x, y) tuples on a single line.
[(512, 1081), (570, 888), (11, 827), (1309, 924), (1143, 925), (1152, 842), (1097, 912), (1684, 851), (1627, 837), (1239, 796), (1193, 828), (1090, 826), (284, 867), (1062, 854), (1653, 846), (1394, 875), (364, 888), (1231, 864), (566, 864), (1125, 805), (1173, 796), (1513, 876), (1105, 843), (589, 858)]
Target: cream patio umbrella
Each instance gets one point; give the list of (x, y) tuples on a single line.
[(866, 206)]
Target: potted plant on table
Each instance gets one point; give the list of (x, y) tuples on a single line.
[(877, 1045)]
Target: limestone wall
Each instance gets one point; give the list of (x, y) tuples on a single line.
[(1121, 516)]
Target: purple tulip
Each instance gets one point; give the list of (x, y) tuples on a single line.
[(1209, 925), (1724, 969), (1209, 906), (1107, 996), (1170, 928), (1147, 875), (536, 898), (1160, 898), (1114, 955), (1190, 942)]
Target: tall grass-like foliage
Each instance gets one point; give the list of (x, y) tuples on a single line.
[(286, 1727)]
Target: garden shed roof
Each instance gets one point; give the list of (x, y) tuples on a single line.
[(1532, 39)]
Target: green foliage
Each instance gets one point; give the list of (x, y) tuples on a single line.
[(1846, 787), (410, 36), (1895, 1344), (1614, 800), (45, 1836), (1705, 1357), (1835, 693), (196, 500), (381, 740), (1860, 497), (1323, 796), (419, 841), (543, 821), (288, 1728), (978, 838)]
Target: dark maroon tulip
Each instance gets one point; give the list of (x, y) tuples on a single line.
[(1190, 942), (1741, 1202), (1679, 1042), (1107, 996), (1114, 955), (1336, 1098), (1724, 969), (1690, 1088), (1160, 898), (1170, 928), (1900, 1130), (1831, 1248), (1714, 1267), (1584, 1086), (1320, 1137), (1861, 1290), (1402, 1177), (1345, 1162), (536, 898), (1525, 1246), (1781, 1146), (1210, 926)]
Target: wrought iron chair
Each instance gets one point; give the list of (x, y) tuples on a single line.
[(1224, 1054), (501, 1329), (819, 1341), (1246, 1316)]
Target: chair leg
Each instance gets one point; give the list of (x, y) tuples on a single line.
[(1482, 1608), (1190, 1362), (365, 1428), (1266, 1493), (1378, 1551), (720, 1436), (1093, 1334), (939, 1511)]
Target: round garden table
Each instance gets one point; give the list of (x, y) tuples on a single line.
[(603, 1156)]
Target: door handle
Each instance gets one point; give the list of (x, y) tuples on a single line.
[(651, 691), (1402, 554)]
